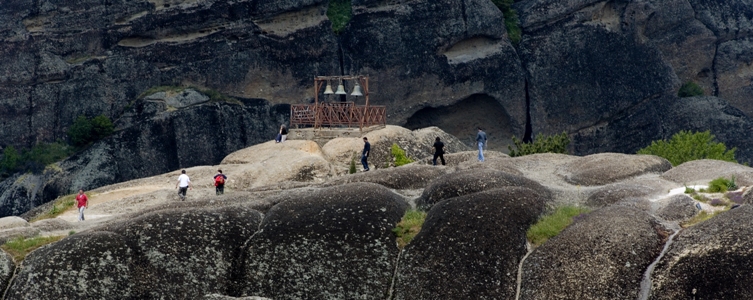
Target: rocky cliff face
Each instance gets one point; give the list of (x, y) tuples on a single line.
[(605, 72)]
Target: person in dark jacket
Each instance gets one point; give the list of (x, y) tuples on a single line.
[(438, 151), (219, 184), (481, 140), (365, 154)]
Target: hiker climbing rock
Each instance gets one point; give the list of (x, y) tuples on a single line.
[(184, 183), (219, 182)]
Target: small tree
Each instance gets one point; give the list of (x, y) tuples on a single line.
[(685, 146), (80, 131), (352, 169), (101, 127), (690, 89), (542, 144)]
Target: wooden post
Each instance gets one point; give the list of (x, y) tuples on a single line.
[(365, 86)]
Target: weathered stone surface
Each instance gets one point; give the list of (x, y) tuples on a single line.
[(710, 260), (53, 224), (182, 99), (644, 188), (179, 254), (704, 170), (12, 233), (470, 246), (223, 297), (675, 208), (472, 181), (332, 243), (403, 177), (461, 51), (7, 269), (605, 168), (601, 256), (467, 159), (92, 265)]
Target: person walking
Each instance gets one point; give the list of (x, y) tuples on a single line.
[(481, 140), (283, 133), (365, 154), (438, 151), (184, 183), (219, 182), (83, 203)]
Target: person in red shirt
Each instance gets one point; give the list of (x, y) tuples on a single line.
[(83, 203)]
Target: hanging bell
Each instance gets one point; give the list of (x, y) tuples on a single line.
[(357, 91), (328, 89), (341, 89)]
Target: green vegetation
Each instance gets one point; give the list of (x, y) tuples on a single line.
[(721, 185), (339, 13), (511, 19), (690, 89), (399, 156), (59, 206), (689, 190), (685, 146), (352, 169), (84, 130), (542, 144), (20, 247), (552, 224), (34, 159), (409, 227), (700, 217)]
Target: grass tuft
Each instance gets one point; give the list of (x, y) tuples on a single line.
[(399, 155), (700, 217), (20, 247), (58, 207), (552, 224), (409, 227)]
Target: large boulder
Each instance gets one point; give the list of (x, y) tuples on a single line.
[(473, 181), (605, 168), (7, 269), (470, 246), (91, 265), (675, 208), (710, 260), (704, 170), (632, 188), (403, 177), (601, 256), (179, 254), (333, 243), (270, 163)]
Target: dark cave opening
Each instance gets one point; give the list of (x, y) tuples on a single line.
[(462, 118)]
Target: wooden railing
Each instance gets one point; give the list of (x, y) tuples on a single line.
[(337, 114)]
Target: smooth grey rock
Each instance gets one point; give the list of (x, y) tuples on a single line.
[(710, 260), (704, 170), (333, 243), (52, 224), (605, 168), (470, 246), (403, 177), (223, 297), (600, 256), (12, 222), (472, 181), (17, 232), (676, 208)]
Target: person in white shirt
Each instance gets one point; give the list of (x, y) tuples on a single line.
[(184, 183)]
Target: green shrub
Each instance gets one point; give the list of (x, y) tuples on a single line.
[(689, 190), (84, 130), (685, 146), (20, 247), (339, 13), (352, 169), (409, 227), (721, 185), (511, 19), (399, 156), (690, 89), (542, 144), (552, 224), (10, 160)]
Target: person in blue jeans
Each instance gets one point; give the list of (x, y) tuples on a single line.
[(481, 140), (365, 154)]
